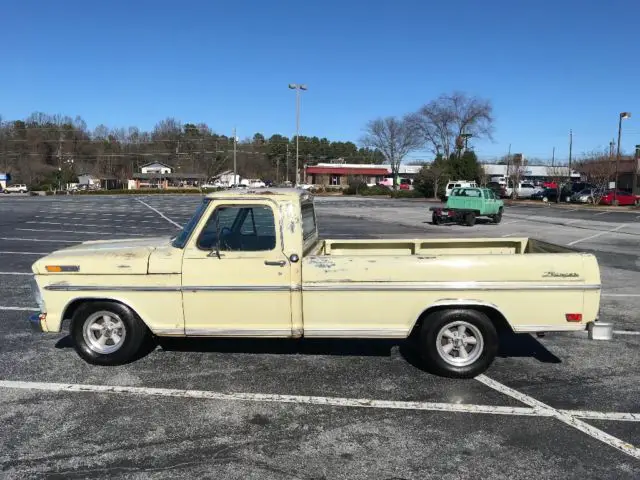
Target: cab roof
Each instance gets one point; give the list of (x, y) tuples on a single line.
[(288, 193)]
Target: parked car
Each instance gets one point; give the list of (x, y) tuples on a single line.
[(17, 188), (464, 205), (587, 195), (523, 190), (253, 265), (498, 189), (457, 184), (551, 195), (621, 198)]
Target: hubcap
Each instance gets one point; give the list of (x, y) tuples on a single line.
[(459, 343), (104, 332)]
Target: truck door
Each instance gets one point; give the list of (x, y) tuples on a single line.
[(236, 280)]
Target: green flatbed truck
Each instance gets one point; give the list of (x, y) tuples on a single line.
[(466, 204)]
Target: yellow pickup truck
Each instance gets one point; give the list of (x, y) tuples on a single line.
[(251, 264)]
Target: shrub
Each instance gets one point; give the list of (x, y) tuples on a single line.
[(407, 194), (376, 190)]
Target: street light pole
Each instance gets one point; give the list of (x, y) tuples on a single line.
[(623, 115), (235, 172), (297, 88)]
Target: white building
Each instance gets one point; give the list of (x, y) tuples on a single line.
[(528, 172), (156, 167)]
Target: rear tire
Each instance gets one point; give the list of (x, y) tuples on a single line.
[(444, 334), (470, 219), (107, 333), (435, 219)]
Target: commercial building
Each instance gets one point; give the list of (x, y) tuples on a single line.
[(529, 173), (340, 174), (160, 175)]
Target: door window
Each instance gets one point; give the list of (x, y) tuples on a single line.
[(239, 228)]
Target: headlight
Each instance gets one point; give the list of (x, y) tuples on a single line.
[(37, 294)]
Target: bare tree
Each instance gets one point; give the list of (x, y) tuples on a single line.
[(599, 168), (395, 138), (443, 121), (517, 167)]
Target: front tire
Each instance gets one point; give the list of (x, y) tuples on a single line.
[(107, 333), (497, 218), (435, 219), (458, 343)]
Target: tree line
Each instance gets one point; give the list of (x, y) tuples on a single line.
[(51, 149)]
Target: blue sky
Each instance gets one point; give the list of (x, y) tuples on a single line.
[(547, 66)]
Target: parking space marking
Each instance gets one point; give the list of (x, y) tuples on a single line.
[(625, 332), (16, 273), (597, 235), (623, 295), (564, 416), (20, 309), (4, 252), (75, 231), (38, 240), (600, 213), (535, 411), (159, 213)]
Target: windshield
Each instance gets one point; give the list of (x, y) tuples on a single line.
[(180, 240)]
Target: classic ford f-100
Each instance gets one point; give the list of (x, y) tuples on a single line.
[(251, 264)]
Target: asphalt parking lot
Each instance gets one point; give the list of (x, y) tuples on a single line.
[(317, 409)]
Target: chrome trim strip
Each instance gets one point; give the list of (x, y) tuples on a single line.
[(443, 286), (226, 332), (61, 287), (357, 333), (237, 288), (550, 328), (336, 287), (168, 331), (196, 288)]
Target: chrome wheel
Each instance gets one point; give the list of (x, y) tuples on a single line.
[(104, 332), (459, 343)]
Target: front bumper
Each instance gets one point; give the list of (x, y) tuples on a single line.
[(35, 321)]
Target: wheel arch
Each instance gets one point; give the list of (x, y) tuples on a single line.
[(72, 306), (492, 311)]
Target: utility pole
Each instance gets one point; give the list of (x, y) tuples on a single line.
[(635, 171), (553, 157), (235, 170), (570, 150), (508, 166)]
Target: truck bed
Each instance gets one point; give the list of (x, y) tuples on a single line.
[(448, 246)]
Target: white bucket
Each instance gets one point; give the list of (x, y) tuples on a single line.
[(601, 331)]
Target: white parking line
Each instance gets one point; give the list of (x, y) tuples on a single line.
[(16, 273), (20, 309), (623, 295), (597, 234), (317, 400), (74, 231), (564, 416), (38, 240), (625, 332), (159, 213), (601, 213), (4, 252)]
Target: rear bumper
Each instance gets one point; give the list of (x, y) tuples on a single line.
[(36, 320)]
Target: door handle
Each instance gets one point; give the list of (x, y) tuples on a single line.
[(278, 263)]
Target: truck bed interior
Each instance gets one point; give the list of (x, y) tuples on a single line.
[(470, 246)]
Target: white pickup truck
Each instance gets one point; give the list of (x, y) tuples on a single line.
[(250, 264)]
